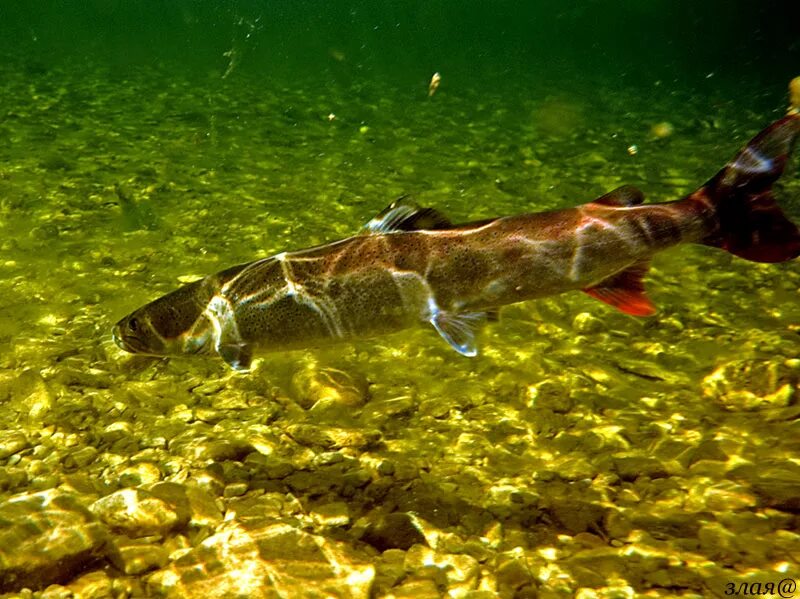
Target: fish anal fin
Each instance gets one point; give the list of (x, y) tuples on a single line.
[(627, 195), (625, 291), (405, 215), (459, 330)]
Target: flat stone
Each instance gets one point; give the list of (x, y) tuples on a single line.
[(629, 468), (29, 395), (267, 559), (514, 573), (576, 515), (136, 558), (586, 324), (550, 394), (11, 442), (330, 437), (203, 508), (331, 515), (136, 513), (753, 384), (394, 531), (416, 588), (92, 585), (778, 486), (315, 386), (143, 473), (47, 538)]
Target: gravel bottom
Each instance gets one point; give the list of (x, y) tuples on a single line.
[(583, 453)]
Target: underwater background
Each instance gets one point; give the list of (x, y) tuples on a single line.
[(583, 453)]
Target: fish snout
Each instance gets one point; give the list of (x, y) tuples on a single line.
[(132, 335)]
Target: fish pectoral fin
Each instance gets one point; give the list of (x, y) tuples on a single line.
[(405, 215), (625, 291), (459, 330), (627, 195), (237, 355)]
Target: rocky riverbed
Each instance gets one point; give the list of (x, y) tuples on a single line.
[(583, 453)]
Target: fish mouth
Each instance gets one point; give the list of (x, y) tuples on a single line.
[(126, 342)]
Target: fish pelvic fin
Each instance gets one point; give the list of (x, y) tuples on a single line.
[(238, 356), (750, 224), (625, 291), (457, 328)]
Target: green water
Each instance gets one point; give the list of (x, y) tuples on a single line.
[(582, 453)]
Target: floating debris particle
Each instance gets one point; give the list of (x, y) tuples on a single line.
[(633, 149), (434, 84), (662, 130), (794, 95)]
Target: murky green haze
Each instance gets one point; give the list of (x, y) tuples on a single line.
[(582, 453)]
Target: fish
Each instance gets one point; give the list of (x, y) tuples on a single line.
[(411, 265)]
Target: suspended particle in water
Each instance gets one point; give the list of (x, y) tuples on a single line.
[(794, 95), (434, 84)]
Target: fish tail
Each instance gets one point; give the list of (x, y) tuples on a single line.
[(748, 221)]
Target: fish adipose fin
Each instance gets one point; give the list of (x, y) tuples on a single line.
[(405, 215), (751, 225), (625, 291)]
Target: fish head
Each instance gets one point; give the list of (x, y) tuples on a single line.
[(173, 324)]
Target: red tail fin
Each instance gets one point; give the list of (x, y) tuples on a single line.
[(751, 224)]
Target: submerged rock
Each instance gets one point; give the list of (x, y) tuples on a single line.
[(393, 531), (136, 512), (46, 538), (267, 559), (11, 442), (315, 387), (753, 384)]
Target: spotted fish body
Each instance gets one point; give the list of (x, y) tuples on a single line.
[(412, 266)]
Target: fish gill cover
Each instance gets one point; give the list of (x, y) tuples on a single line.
[(585, 452)]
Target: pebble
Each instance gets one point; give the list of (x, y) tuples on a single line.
[(752, 384), (397, 530), (137, 558), (629, 468), (278, 559), (143, 473), (235, 489), (315, 386), (333, 437), (47, 537), (331, 515), (514, 573), (93, 585), (136, 513), (587, 324), (11, 442)]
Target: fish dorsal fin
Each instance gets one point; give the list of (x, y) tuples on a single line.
[(627, 195), (625, 291), (406, 215)]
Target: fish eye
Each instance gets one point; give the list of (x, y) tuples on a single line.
[(133, 324)]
